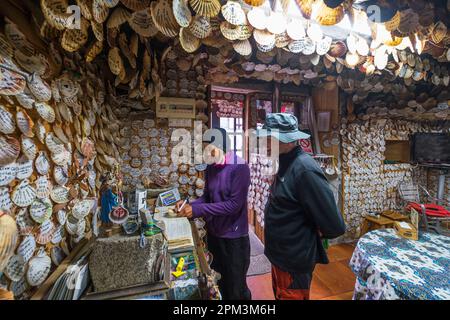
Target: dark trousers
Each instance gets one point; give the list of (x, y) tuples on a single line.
[(231, 258)]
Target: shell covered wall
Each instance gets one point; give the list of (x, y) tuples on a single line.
[(369, 185), (58, 134), (146, 152)]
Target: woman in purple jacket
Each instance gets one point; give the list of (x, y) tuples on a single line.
[(224, 208)]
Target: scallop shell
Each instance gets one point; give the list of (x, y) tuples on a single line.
[(82, 208), (38, 269), (27, 247), (42, 163), (11, 83), (59, 132), (45, 111), (43, 187), (277, 23), (9, 150), (115, 61), (53, 143), (100, 11), (243, 47), (257, 18), (15, 268), (61, 216), (24, 222), (24, 168), (329, 16), (232, 32), (58, 234), (163, 18), (118, 16), (46, 231), (142, 23), (181, 12), (40, 131), (200, 27), (338, 49), (60, 175), (23, 194), (7, 123), (60, 194), (25, 123), (7, 173), (39, 88), (57, 255), (55, 13), (263, 38), (305, 7), (233, 13), (41, 210), (8, 239), (29, 148), (207, 8), (74, 39), (188, 42), (25, 100), (295, 29)]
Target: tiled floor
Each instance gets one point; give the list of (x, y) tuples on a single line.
[(334, 281)]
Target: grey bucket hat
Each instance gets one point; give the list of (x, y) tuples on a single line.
[(282, 126)]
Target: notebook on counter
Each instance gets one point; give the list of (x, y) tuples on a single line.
[(179, 234)]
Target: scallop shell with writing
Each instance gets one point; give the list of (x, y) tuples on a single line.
[(58, 234), (60, 194), (11, 83), (60, 175), (200, 27), (46, 231), (25, 123), (82, 208), (24, 221), (42, 163), (41, 210), (7, 123), (29, 148), (15, 268), (7, 173), (23, 194), (26, 247), (233, 13), (24, 168), (9, 150), (39, 88), (45, 111), (181, 12), (163, 18), (43, 187), (25, 100), (38, 269), (61, 216), (188, 41), (5, 199)]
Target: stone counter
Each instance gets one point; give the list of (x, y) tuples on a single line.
[(119, 262)]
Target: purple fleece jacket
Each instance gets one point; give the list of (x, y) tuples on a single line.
[(224, 202)]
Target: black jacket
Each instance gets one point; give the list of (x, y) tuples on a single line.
[(300, 205)]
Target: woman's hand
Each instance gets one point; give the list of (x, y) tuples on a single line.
[(186, 211), (178, 205)]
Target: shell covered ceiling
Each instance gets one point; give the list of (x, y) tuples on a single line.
[(390, 55)]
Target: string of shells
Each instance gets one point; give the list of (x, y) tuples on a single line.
[(261, 177), (58, 135), (369, 185)]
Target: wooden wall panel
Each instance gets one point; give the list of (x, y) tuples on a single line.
[(327, 99)]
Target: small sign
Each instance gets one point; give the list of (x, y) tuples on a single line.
[(170, 197), (175, 108)]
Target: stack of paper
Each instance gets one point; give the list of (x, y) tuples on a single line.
[(179, 234), (72, 283)]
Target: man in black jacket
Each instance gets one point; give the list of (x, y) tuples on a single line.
[(300, 212)]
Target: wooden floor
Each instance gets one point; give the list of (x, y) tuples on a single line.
[(334, 281)]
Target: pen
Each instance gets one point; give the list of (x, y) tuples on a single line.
[(182, 205)]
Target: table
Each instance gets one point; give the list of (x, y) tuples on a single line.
[(389, 267), (371, 223)]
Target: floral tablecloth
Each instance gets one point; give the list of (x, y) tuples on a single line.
[(389, 267)]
